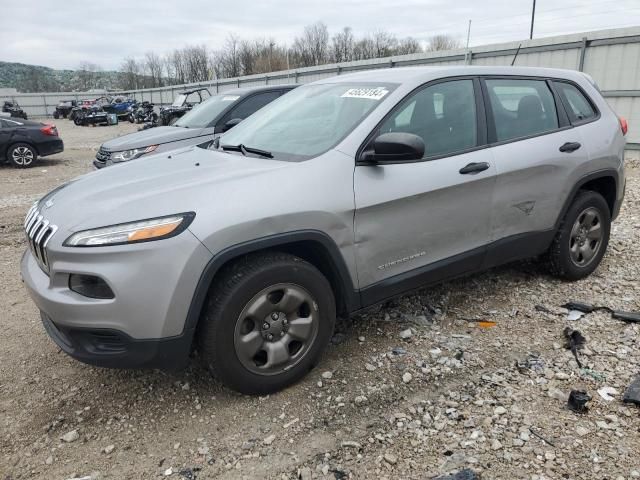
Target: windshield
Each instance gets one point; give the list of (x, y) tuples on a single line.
[(179, 101), (307, 121), (207, 112)]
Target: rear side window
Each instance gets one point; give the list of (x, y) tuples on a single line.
[(521, 108), (578, 107), (443, 114)]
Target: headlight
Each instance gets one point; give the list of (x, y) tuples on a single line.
[(134, 232), (132, 154)]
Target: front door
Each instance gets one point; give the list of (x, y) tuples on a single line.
[(421, 221)]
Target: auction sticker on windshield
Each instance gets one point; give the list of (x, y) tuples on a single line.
[(370, 93)]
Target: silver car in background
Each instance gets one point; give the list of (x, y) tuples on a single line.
[(202, 124), (339, 195)]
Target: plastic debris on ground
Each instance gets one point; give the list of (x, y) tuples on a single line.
[(632, 393), (574, 341), (578, 401), (607, 393), (466, 474)]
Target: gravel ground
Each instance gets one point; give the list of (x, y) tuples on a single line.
[(416, 388)]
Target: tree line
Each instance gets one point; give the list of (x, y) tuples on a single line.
[(238, 57)]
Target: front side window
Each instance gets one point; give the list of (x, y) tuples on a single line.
[(251, 105), (309, 120), (443, 115), (578, 107), (521, 108)]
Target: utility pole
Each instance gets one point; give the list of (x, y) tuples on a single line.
[(468, 34), (533, 16)]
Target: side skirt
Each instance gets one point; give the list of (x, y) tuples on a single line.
[(516, 247)]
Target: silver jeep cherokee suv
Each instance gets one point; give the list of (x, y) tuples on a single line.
[(341, 194)]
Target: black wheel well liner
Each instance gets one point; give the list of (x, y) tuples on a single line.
[(604, 182), (313, 246)]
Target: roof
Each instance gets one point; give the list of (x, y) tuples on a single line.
[(246, 90), (424, 74)]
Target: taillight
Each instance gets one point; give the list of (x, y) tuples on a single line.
[(49, 129), (623, 125)]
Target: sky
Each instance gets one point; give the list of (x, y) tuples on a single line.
[(65, 33)]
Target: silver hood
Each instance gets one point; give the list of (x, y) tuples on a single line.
[(153, 136), (191, 179)]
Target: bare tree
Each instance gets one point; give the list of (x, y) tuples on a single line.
[(312, 48), (442, 42), (408, 45), (154, 67), (130, 78), (87, 75), (343, 45), (229, 57)]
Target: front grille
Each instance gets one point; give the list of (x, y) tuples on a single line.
[(39, 232), (103, 155)]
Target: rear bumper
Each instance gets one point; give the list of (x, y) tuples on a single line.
[(50, 147), (114, 349)]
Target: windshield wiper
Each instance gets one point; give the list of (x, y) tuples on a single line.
[(244, 150)]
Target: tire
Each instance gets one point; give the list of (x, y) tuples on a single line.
[(77, 120), (22, 155), (290, 297), (56, 115), (131, 118), (582, 238)]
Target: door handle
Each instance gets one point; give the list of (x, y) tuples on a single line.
[(474, 168), (570, 147)]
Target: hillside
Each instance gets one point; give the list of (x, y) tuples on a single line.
[(35, 78)]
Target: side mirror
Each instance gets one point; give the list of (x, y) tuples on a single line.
[(231, 123), (395, 147)]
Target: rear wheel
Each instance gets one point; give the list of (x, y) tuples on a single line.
[(582, 239), (268, 320), (56, 114), (22, 155)]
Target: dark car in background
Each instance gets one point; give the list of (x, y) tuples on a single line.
[(23, 141), (202, 124)]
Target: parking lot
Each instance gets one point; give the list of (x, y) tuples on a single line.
[(415, 388)]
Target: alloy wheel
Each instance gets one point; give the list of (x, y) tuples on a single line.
[(22, 156)]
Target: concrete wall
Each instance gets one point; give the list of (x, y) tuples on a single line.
[(611, 57)]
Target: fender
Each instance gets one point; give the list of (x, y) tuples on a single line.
[(351, 297), (607, 172)]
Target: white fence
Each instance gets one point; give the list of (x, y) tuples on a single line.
[(611, 57)]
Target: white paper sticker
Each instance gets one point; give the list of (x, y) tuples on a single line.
[(371, 93), (230, 98)]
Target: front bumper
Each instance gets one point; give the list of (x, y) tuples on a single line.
[(115, 349), (153, 285)]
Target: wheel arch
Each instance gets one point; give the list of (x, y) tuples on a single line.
[(604, 182), (313, 246), (14, 142)]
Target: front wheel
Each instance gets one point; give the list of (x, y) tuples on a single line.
[(22, 155), (269, 318), (582, 239)]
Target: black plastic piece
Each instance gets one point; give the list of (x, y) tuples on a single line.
[(629, 317), (474, 168), (114, 349), (570, 147), (578, 401), (90, 286)]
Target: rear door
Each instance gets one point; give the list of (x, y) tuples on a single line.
[(416, 222), (4, 137), (534, 149)]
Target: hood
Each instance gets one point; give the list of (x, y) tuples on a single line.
[(152, 136), (152, 187)]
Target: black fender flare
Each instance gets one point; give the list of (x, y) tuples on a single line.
[(351, 295), (607, 172)]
